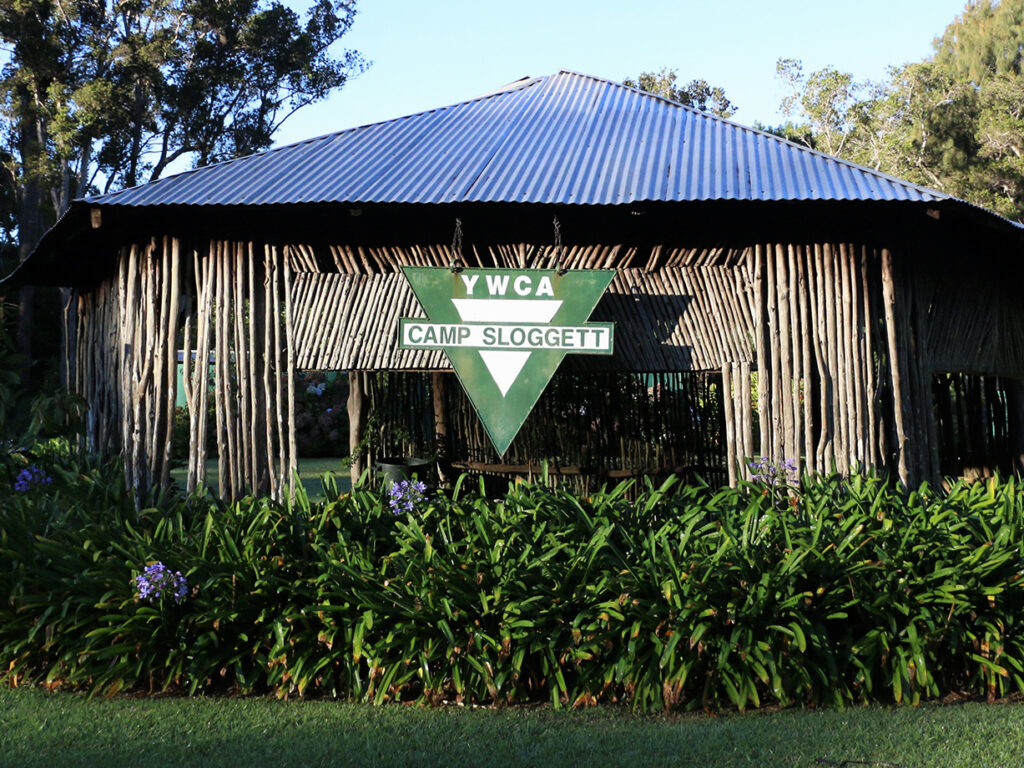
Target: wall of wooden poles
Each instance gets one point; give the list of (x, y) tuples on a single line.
[(126, 351), (238, 328), (822, 353), (98, 364), (222, 309), (795, 331), (820, 372)]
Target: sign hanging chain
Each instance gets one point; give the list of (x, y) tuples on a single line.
[(457, 262), (559, 249)]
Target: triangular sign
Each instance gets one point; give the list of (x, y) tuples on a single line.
[(505, 332)]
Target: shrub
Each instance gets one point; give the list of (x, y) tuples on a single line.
[(321, 418), (850, 591)]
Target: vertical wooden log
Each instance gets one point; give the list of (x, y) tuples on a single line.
[(222, 374), (823, 451), (732, 457), (187, 368), (889, 307), (437, 386), (762, 350), (205, 266), (357, 411), (243, 378), (155, 396), (854, 446), (746, 404), (807, 332), (289, 352), (274, 320), (145, 416), (256, 365), (171, 371), (869, 291), (126, 296), (837, 395), (794, 339), (778, 385), (270, 373)]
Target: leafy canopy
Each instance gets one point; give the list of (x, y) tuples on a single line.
[(954, 121), (696, 93), (109, 93)]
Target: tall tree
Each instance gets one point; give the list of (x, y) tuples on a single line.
[(954, 121), (824, 99), (984, 49), (696, 93), (110, 93)]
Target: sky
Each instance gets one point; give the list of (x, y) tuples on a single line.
[(431, 53)]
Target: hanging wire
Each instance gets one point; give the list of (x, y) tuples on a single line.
[(559, 248), (457, 264)]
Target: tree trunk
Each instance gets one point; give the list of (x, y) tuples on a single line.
[(30, 221)]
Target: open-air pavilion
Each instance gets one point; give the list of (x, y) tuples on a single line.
[(769, 300)]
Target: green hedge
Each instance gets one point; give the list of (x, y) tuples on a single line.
[(687, 597)]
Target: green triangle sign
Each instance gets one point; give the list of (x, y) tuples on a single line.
[(505, 332)]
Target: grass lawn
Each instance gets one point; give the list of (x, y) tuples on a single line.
[(310, 472), (53, 730)]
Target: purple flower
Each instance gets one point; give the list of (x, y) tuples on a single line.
[(405, 495), (157, 580), (766, 471), (30, 477)]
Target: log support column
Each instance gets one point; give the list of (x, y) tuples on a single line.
[(357, 413), (437, 383)]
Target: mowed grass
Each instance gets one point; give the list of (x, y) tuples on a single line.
[(311, 471), (53, 730)]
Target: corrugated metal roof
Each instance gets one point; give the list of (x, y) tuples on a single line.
[(565, 139)]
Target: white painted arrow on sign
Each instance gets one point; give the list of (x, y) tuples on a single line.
[(505, 367)]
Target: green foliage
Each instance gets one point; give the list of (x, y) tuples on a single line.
[(127, 88), (986, 39), (321, 415), (49, 413), (686, 597), (824, 98), (696, 93), (954, 122)]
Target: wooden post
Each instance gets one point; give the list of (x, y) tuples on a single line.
[(763, 353), (731, 454), (290, 369), (357, 410), (889, 305), (440, 425), (747, 411)]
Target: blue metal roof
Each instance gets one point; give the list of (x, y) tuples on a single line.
[(565, 139)]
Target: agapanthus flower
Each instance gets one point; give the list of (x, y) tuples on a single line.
[(406, 495), (767, 471), (30, 477), (157, 580)]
